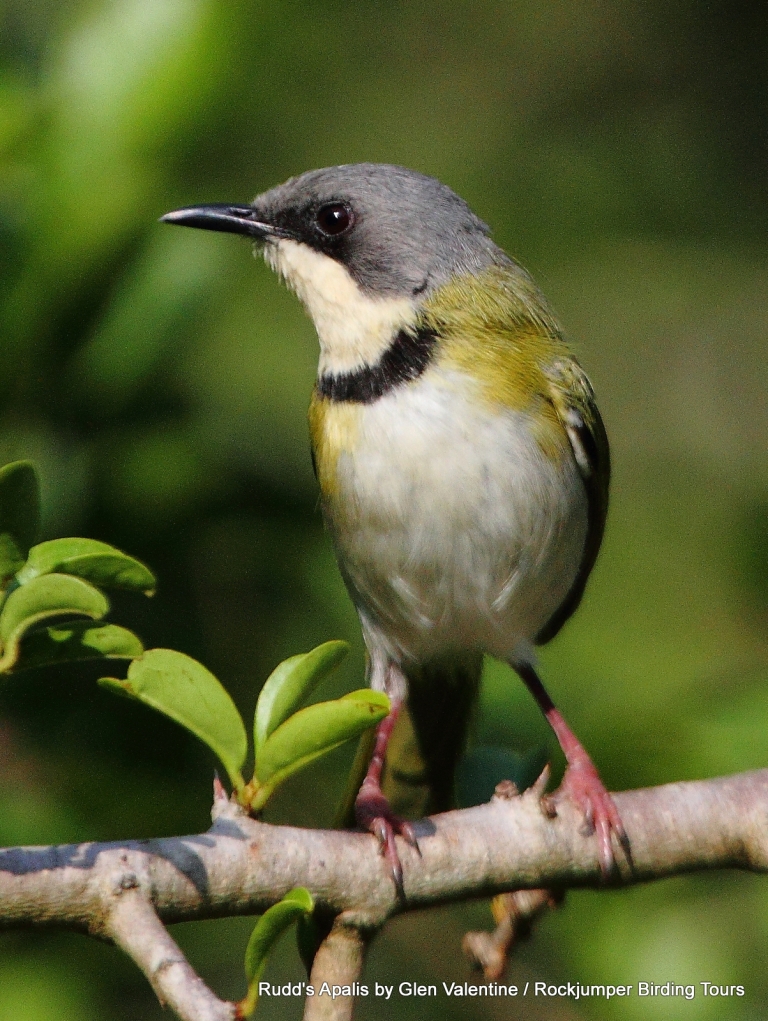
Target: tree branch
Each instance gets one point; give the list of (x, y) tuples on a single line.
[(125, 890), (241, 865)]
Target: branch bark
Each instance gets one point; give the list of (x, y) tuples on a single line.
[(338, 962), (126, 890), (133, 926), (241, 865)]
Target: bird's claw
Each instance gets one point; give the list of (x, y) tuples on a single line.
[(582, 784), (373, 813)]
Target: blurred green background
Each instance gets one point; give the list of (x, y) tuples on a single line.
[(160, 377)]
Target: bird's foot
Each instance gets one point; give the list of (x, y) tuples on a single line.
[(582, 784), (373, 813)]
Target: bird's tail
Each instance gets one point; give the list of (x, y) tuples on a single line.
[(427, 742), (430, 735)]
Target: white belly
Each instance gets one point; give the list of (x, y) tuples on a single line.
[(458, 532)]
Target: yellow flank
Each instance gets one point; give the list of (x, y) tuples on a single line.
[(333, 427), (495, 327)]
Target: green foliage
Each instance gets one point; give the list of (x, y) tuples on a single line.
[(79, 640), (45, 597), (313, 732), (289, 684), (19, 515), (97, 562), (64, 577), (59, 578), (295, 906), (183, 689)]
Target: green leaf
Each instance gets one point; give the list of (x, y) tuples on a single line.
[(183, 689), (294, 906), (51, 595), (97, 562), (481, 769), (313, 732), (19, 514), (290, 683), (78, 641), (117, 687)]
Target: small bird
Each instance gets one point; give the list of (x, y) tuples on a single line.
[(462, 461)]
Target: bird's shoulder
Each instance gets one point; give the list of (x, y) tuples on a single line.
[(496, 327)]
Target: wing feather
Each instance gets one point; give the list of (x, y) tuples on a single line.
[(573, 398)]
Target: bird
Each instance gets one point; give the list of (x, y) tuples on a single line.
[(462, 462)]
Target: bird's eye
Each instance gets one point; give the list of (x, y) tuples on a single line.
[(334, 218)]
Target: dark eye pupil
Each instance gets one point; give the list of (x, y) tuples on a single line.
[(334, 218)]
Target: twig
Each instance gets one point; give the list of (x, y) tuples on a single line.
[(337, 966), (132, 924), (515, 914)]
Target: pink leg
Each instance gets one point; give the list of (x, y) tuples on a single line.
[(372, 809), (581, 781)]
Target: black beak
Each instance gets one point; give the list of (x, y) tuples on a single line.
[(231, 219)]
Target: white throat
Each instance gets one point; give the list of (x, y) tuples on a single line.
[(354, 329)]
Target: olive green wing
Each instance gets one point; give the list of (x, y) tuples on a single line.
[(574, 401)]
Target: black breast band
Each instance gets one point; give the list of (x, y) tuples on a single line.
[(406, 358)]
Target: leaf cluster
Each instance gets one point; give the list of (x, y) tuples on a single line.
[(64, 578), (57, 580), (52, 610)]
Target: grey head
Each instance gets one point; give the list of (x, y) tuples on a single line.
[(397, 232)]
